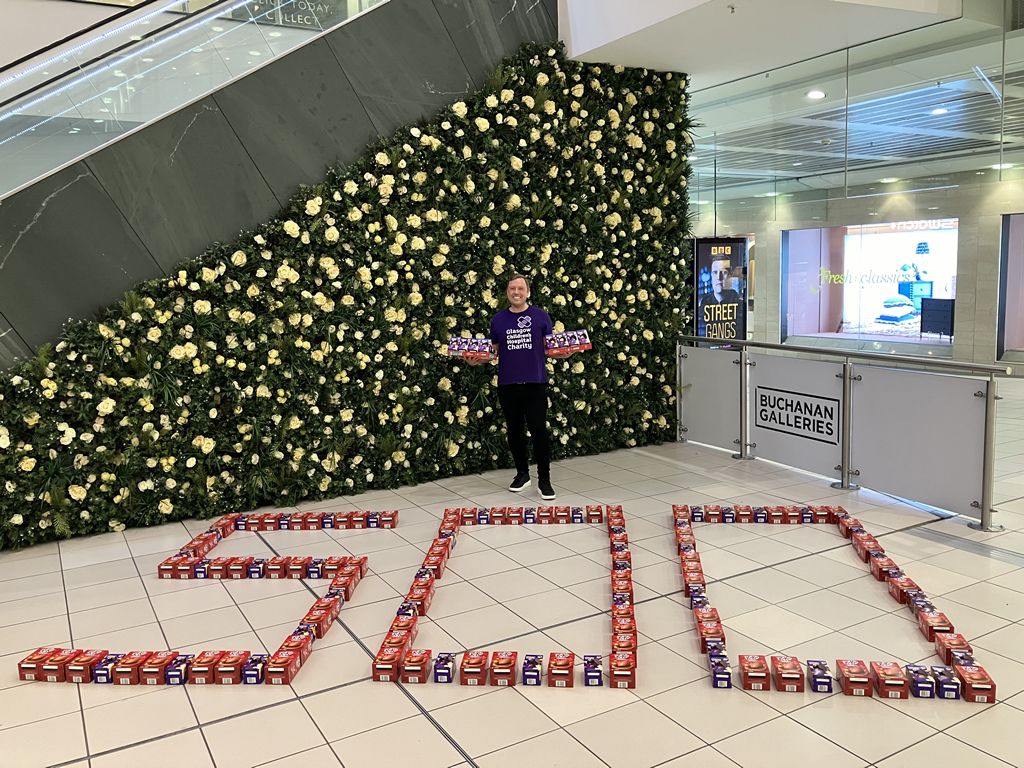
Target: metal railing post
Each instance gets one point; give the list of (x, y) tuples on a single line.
[(744, 440), (989, 462), (845, 470), (680, 429)]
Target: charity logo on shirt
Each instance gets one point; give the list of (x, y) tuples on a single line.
[(525, 321), (521, 337)]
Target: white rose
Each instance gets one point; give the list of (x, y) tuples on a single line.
[(331, 235), (481, 124), (202, 307), (313, 206), (77, 492), (491, 101), (17, 519), (106, 406), (507, 96), (542, 79), (291, 228), (5, 438), (459, 108), (238, 258), (382, 158)]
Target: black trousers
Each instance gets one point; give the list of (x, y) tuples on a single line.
[(526, 405)]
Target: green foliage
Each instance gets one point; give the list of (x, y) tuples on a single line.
[(306, 360)]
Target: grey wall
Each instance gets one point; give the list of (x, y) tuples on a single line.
[(74, 242)]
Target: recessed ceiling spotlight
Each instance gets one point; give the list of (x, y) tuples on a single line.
[(940, 111), (796, 165), (1002, 166), (816, 94), (888, 180)]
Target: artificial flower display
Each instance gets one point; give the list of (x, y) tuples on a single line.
[(306, 359)]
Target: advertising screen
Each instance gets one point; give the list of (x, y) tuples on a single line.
[(720, 288)]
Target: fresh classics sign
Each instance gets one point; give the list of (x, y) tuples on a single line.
[(797, 413)]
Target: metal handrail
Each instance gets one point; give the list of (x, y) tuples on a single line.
[(106, 54), (117, 16), (847, 376), (955, 365)]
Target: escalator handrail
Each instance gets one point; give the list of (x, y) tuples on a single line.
[(106, 54), (79, 33)]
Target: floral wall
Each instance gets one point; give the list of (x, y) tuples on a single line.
[(306, 359)]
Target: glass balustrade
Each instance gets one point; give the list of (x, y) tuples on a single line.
[(64, 104)]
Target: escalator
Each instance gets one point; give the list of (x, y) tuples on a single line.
[(109, 80), (121, 159)]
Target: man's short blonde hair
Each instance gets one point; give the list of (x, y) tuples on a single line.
[(524, 278)]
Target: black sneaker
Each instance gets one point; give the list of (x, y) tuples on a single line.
[(522, 481), (546, 491)]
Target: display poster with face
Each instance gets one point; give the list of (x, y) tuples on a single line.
[(720, 288)]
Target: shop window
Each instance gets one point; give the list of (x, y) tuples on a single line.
[(1011, 289), (892, 282)]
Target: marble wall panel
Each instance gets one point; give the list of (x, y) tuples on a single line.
[(296, 117), (185, 182), (65, 251), (485, 31), (402, 63)]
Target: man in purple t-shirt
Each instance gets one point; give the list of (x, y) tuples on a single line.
[(518, 332)]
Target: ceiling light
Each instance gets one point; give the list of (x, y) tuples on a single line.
[(770, 194), (888, 180), (795, 165), (1002, 166), (940, 111), (816, 94), (255, 53)]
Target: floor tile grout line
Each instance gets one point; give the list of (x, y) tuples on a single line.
[(957, 738), (292, 687), (300, 752), (706, 746), (415, 702), (71, 636), (217, 721), (159, 624), (558, 727), (571, 621)]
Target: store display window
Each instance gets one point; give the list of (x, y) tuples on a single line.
[(891, 282), (1011, 289)]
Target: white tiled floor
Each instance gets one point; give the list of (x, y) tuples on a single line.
[(535, 589)]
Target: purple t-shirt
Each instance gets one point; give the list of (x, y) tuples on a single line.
[(519, 337)]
